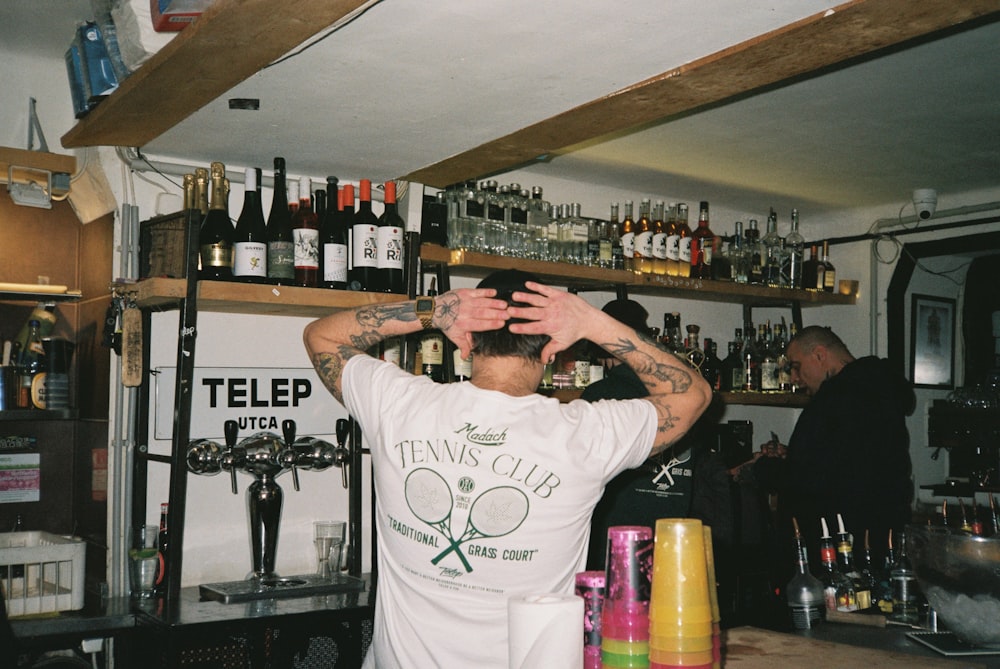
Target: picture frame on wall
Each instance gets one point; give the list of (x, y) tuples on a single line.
[(932, 342)]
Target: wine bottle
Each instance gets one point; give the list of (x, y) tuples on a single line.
[(804, 592), (432, 347), (809, 270), (333, 239), (390, 244), (363, 274), (163, 550), (216, 236), (280, 247), (250, 245), (305, 236)]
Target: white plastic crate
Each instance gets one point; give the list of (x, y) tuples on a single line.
[(41, 572)]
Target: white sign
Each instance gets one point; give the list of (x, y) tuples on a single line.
[(257, 398), (20, 477)]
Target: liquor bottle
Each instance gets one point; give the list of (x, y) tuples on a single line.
[(305, 236), (659, 240), (216, 236), (711, 368), (280, 246), (794, 250), (868, 580), (517, 221), (628, 238), (752, 249), (683, 241), (829, 272), (845, 562), (538, 223), (163, 549), (882, 595), (673, 241), (671, 338), (390, 244), (804, 592), (333, 239), (731, 375), (751, 360), (578, 234), (29, 370), (462, 367), (837, 588), (768, 360), (692, 348), (780, 345), (250, 239), (905, 590), (495, 215), (363, 274), (604, 245), (432, 348), (391, 350), (809, 270), (644, 240), (771, 253), (617, 251), (702, 245)]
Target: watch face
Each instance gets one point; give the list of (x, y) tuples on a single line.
[(424, 306)]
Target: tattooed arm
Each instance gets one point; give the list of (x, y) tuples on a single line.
[(333, 340), (678, 393)]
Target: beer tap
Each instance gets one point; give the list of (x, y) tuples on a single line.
[(231, 459)]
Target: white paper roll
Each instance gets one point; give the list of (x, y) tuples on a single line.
[(545, 632)]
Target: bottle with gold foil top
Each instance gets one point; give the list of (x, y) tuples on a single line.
[(216, 237), (189, 199), (644, 240), (628, 237)]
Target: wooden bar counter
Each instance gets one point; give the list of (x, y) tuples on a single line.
[(753, 648)]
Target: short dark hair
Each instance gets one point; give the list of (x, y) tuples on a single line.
[(812, 336), (503, 342)]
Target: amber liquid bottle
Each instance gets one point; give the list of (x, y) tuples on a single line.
[(829, 272), (305, 236), (683, 241), (363, 274), (659, 240), (644, 240), (628, 238), (702, 246)]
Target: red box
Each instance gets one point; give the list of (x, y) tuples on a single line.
[(175, 15)]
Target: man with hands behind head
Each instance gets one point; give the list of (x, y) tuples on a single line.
[(484, 489)]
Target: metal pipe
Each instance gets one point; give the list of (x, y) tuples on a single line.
[(945, 213)]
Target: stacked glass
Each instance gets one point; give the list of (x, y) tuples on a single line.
[(590, 586), (680, 609), (625, 615)]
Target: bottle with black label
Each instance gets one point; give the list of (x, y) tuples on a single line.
[(280, 247), (390, 244), (363, 274), (250, 245), (216, 236)]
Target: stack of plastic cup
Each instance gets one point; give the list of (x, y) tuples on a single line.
[(713, 598), (590, 586), (680, 609), (625, 615)]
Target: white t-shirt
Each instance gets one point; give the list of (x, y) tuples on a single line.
[(480, 497)]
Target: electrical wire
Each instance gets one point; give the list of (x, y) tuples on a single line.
[(345, 20)]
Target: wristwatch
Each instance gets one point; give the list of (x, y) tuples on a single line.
[(424, 308)]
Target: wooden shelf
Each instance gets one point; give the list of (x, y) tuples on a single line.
[(261, 299), (34, 296), (576, 276), (39, 160)]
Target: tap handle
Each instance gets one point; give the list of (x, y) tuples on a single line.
[(232, 429), (290, 459), (343, 427), (288, 431), (343, 473)]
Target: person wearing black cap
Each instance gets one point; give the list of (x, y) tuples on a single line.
[(664, 485), (484, 489)]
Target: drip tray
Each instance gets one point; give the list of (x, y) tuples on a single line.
[(307, 585), (949, 645)]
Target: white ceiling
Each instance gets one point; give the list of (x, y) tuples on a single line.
[(409, 84)]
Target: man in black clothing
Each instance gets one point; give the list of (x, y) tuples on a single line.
[(667, 485), (849, 452)]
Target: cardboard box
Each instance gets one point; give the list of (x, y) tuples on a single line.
[(175, 15)]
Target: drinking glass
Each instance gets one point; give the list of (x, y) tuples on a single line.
[(328, 536)]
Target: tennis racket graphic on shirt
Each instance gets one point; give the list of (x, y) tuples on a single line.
[(496, 512), (429, 498)]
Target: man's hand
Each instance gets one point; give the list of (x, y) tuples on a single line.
[(553, 312), (458, 313)]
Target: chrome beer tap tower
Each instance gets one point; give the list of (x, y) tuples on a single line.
[(266, 456)]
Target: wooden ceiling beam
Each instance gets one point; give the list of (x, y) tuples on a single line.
[(818, 42), (231, 41)]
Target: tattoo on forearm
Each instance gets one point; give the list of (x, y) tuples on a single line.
[(376, 316), (645, 365)]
